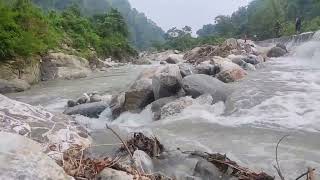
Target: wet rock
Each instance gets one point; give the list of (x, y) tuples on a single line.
[(95, 98), (186, 69), (276, 52), (207, 171), (175, 107), (167, 83), (16, 85), (158, 104), (71, 103), (252, 59), (230, 72), (199, 84), (56, 131), (63, 66), (163, 62), (111, 174), (22, 158), (117, 105), (172, 60), (92, 110), (282, 46), (249, 67), (143, 162), (207, 69), (204, 99), (85, 98), (139, 95)]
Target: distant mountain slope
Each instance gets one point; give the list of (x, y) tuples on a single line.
[(144, 32)]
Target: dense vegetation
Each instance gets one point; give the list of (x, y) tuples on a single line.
[(263, 19), (181, 39), (26, 30), (143, 32)]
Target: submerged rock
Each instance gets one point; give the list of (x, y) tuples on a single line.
[(56, 132), (16, 85), (139, 95), (92, 110), (158, 104), (276, 52), (22, 158), (199, 84), (282, 46), (175, 107), (143, 162), (167, 83)]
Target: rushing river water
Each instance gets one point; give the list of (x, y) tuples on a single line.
[(282, 97)]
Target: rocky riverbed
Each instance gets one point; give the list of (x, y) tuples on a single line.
[(210, 99)]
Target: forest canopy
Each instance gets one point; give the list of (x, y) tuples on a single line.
[(263, 19)]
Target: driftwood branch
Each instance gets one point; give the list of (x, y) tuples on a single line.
[(122, 141), (278, 165)]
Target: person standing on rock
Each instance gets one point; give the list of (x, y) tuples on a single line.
[(298, 25)]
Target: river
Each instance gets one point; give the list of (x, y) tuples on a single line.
[(280, 98)]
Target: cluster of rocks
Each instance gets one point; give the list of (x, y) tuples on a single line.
[(181, 79)]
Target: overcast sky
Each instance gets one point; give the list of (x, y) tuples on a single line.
[(195, 13)]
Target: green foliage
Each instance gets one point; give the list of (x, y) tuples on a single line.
[(263, 19), (181, 39), (142, 31), (24, 30)]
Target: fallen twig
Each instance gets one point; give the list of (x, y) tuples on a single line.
[(118, 136), (278, 165)]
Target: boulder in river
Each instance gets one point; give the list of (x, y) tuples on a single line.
[(175, 107), (167, 83), (198, 84), (57, 132), (16, 85), (158, 104), (174, 59), (229, 71), (186, 69), (22, 158), (207, 69), (139, 95), (282, 46), (117, 105), (276, 52), (92, 110)]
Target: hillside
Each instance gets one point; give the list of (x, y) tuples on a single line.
[(143, 31)]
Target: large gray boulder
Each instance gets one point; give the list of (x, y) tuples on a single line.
[(63, 66), (56, 132), (167, 83), (16, 85), (92, 110), (276, 52), (139, 95), (22, 158), (158, 104), (252, 59), (199, 84)]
